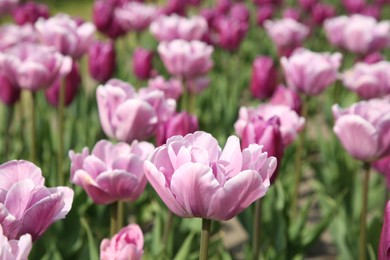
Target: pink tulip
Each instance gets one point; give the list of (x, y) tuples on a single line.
[(287, 34), (223, 6), (72, 84), (383, 167), (9, 93), (290, 122), (264, 13), (30, 12), (372, 10), (11, 35), (26, 205), (186, 59), (292, 13), (195, 178), (117, 98), (310, 72), (368, 122), (111, 172), (135, 16), (168, 28), (172, 88), (307, 5), (15, 249), (143, 63), (369, 80), (239, 12), (320, 12), (179, 124), (63, 32), (102, 60), (384, 243), (373, 58), (353, 6), (6, 6), (174, 7), (128, 243), (105, 20), (264, 77), (34, 66), (230, 32), (276, 3), (287, 97), (198, 84)]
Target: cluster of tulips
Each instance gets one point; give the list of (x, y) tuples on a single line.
[(156, 132)]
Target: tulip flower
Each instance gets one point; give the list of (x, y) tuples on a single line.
[(30, 12), (172, 88), (307, 5), (128, 243), (230, 32), (264, 13), (179, 124), (353, 6), (148, 108), (239, 12), (111, 172), (373, 58), (6, 6), (288, 97), (384, 243), (186, 59), (105, 20), (383, 167), (287, 34), (310, 72), (368, 80), (15, 249), (368, 122), (135, 16), (292, 13), (9, 93), (68, 37), (174, 7), (142, 63), (195, 178), (264, 77), (102, 60), (168, 28), (320, 12), (11, 35), (72, 84), (276, 3), (372, 10), (198, 84), (26, 205)]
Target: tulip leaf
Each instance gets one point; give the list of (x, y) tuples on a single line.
[(93, 255), (297, 227), (185, 249)]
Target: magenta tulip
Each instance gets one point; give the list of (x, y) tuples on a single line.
[(26, 205), (134, 16), (172, 88), (6, 6), (310, 72), (15, 249), (353, 6), (383, 167), (105, 20), (102, 60), (111, 172), (287, 97), (264, 77), (143, 63), (307, 5), (198, 84), (368, 122), (9, 93), (373, 58), (128, 243), (174, 7), (239, 12), (292, 13), (384, 242), (264, 13), (30, 12), (230, 32), (195, 178), (320, 12)]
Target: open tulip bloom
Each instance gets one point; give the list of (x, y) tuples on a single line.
[(15, 249)]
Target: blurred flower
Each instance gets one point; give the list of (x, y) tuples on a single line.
[(368, 80), (368, 122), (174, 7), (320, 12), (12, 34), (142, 63), (384, 242), (276, 3), (6, 6), (102, 60), (264, 77), (72, 84), (105, 20), (26, 205), (128, 243), (33, 66), (9, 93), (179, 124), (172, 88), (195, 178), (198, 84), (111, 172), (292, 13), (264, 13), (288, 97), (117, 98), (372, 10), (383, 167), (290, 122), (307, 5), (287, 34), (353, 6), (168, 28), (186, 59), (239, 12), (357, 33), (310, 72), (223, 6), (135, 16), (373, 58), (230, 32), (63, 32), (15, 249), (30, 12)]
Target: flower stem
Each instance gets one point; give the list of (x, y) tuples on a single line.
[(9, 114), (168, 227), (60, 152), (114, 219), (120, 215), (32, 127), (363, 229), (256, 230), (204, 239)]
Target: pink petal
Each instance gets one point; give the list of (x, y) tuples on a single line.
[(15, 171), (18, 198), (232, 154)]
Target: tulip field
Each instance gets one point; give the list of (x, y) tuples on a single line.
[(195, 129)]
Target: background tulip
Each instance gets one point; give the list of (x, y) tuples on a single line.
[(15, 249), (135, 16), (172, 88), (9, 93), (6, 6), (102, 60), (230, 32), (264, 77), (142, 63), (30, 12), (264, 13), (105, 20), (383, 167), (11, 35), (288, 97), (384, 243)]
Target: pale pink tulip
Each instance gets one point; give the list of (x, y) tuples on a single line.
[(135, 16), (12, 34), (172, 88), (15, 249)]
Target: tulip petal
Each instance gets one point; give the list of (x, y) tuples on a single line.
[(18, 198), (384, 243), (9, 223), (232, 154), (119, 184), (15, 171)]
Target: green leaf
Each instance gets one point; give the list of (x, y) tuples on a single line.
[(93, 255), (185, 249)]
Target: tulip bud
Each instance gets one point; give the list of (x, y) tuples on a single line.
[(240, 12), (307, 4), (9, 93), (287, 97), (353, 6), (264, 77), (384, 243), (264, 13), (30, 12), (102, 60), (142, 63), (372, 10), (230, 32), (72, 84), (320, 12), (292, 13), (104, 19)]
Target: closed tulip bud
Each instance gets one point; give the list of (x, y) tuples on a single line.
[(373, 58), (307, 4), (372, 10), (264, 77), (264, 13), (292, 13), (179, 124), (9, 93), (230, 32), (30, 12), (104, 19), (383, 167), (72, 84), (143, 63), (102, 60), (320, 12), (287, 97), (240, 12), (384, 242), (353, 6)]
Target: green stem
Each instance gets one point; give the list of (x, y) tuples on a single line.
[(204, 239), (168, 228), (120, 215), (9, 114), (60, 152), (363, 229), (256, 230), (191, 102), (114, 219), (32, 127)]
